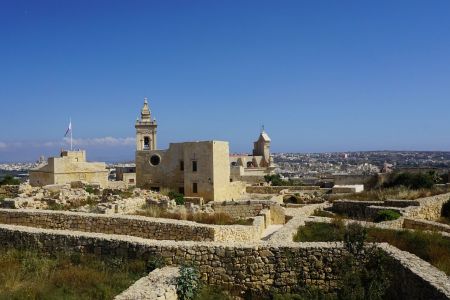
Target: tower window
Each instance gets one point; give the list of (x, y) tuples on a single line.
[(181, 165), (194, 166), (146, 143), (194, 188)]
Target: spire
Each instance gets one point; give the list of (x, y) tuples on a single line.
[(145, 112)]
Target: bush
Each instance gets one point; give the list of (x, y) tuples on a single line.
[(387, 215), (188, 283), (178, 197), (413, 181), (9, 180), (354, 238), (445, 212), (154, 263)]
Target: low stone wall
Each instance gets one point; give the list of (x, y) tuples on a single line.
[(278, 189), (256, 267), (354, 208), (429, 209), (9, 191), (158, 285), (425, 225), (144, 227), (401, 203), (123, 206), (249, 208)]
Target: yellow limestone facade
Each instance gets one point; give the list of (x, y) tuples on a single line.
[(195, 169), (68, 167)]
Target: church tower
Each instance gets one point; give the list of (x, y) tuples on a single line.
[(145, 130), (262, 148)]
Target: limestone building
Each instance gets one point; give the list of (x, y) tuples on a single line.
[(253, 168), (196, 169), (68, 167)]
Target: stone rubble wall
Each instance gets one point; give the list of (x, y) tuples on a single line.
[(429, 209), (354, 208), (425, 225), (249, 208), (278, 189), (123, 206), (258, 267), (139, 226), (157, 285), (9, 191)]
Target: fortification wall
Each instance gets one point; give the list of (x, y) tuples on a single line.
[(257, 267)]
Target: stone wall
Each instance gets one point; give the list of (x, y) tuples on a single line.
[(151, 228), (158, 285), (429, 209), (139, 226), (354, 208), (145, 227), (257, 267), (278, 189), (425, 225), (9, 191), (249, 208)]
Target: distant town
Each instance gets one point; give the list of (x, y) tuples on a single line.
[(310, 165)]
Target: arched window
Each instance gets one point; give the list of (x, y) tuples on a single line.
[(146, 143)]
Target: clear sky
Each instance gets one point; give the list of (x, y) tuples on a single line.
[(320, 75)]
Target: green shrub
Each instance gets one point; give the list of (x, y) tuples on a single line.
[(413, 181), (387, 215), (445, 212), (319, 232), (178, 197), (355, 236), (155, 263), (9, 180), (188, 283)]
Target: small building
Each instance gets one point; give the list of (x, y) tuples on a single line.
[(253, 168), (126, 173), (195, 169), (70, 166)]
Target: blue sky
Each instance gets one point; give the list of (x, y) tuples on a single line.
[(320, 75)]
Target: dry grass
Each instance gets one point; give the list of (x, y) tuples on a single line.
[(391, 193), (431, 247), (204, 218), (33, 275)]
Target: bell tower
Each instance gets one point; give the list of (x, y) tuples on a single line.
[(145, 130)]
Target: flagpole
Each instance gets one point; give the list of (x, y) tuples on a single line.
[(71, 134)]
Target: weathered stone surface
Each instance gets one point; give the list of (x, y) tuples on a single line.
[(159, 284)]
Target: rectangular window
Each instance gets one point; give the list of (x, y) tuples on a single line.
[(194, 188), (181, 190), (194, 166), (181, 165)]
